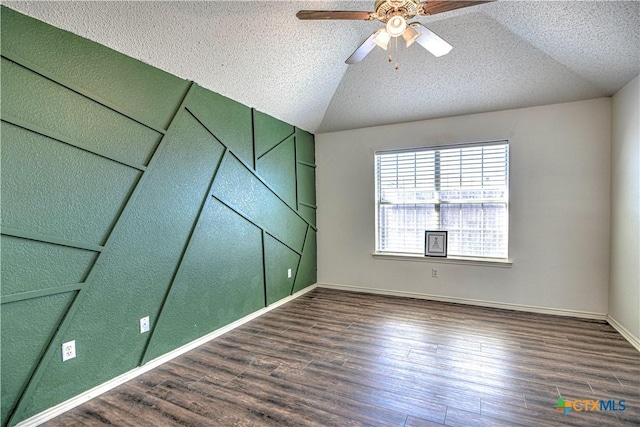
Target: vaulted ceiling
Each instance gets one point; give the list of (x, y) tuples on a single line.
[(506, 54)]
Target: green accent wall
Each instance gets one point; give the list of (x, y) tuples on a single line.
[(128, 192)]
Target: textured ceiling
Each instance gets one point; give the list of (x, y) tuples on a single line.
[(506, 54)]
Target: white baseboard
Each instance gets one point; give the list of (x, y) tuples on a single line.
[(633, 340), (59, 409), (468, 301)]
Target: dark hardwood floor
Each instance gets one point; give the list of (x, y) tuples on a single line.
[(351, 359)]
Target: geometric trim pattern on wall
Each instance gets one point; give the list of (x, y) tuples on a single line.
[(128, 192)]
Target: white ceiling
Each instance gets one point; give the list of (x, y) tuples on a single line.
[(506, 54)]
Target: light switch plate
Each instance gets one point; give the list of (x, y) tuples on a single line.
[(289, 274)]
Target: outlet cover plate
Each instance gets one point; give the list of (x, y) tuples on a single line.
[(68, 350), (289, 274), (144, 324)]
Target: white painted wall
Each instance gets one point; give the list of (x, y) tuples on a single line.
[(624, 290), (559, 207)]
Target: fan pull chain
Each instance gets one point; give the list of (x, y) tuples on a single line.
[(397, 53)]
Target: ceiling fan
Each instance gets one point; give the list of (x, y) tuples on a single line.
[(395, 14)]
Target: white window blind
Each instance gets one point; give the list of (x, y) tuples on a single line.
[(461, 189)]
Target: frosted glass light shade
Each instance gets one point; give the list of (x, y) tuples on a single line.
[(396, 26), (382, 39), (410, 35)]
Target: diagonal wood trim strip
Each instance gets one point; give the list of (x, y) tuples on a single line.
[(49, 239), (48, 75), (66, 140), (5, 299)]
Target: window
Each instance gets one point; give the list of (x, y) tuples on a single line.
[(461, 189)]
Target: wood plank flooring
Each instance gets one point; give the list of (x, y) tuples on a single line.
[(334, 358)]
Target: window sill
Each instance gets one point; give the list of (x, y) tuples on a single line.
[(485, 262)]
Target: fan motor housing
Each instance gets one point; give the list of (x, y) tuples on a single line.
[(385, 9)]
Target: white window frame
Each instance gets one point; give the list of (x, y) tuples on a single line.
[(485, 260)]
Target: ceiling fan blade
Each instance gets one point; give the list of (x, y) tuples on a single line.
[(363, 50), (430, 40), (438, 6), (335, 14)]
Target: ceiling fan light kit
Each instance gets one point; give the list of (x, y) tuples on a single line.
[(395, 14), (410, 35), (382, 38), (396, 26)]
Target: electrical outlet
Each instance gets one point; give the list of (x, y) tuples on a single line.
[(289, 274), (434, 272), (144, 325), (68, 350)]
